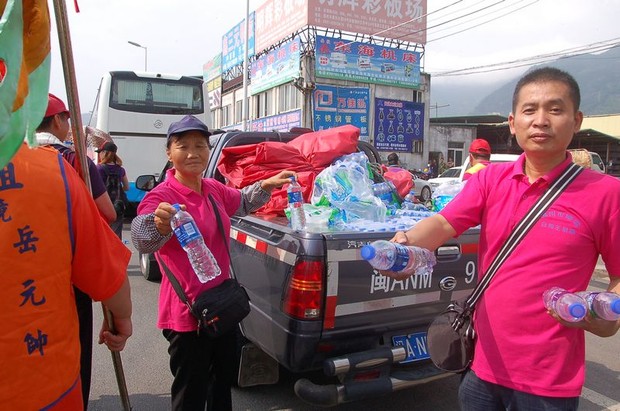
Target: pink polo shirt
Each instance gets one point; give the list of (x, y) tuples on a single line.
[(519, 345), (173, 314)]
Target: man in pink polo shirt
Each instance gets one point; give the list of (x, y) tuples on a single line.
[(525, 357)]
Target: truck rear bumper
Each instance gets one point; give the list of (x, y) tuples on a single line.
[(379, 363)]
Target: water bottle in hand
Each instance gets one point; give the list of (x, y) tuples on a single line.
[(604, 305), (385, 255), (296, 205), (186, 231), (568, 306)]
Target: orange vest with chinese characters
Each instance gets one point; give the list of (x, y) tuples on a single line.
[(39, 346)]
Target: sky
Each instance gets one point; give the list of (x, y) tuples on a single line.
[(180, 36)]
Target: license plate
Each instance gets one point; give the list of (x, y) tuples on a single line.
[(415, 345)]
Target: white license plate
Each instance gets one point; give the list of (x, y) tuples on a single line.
[(415, 345)]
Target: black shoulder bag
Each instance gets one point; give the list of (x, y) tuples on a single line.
[(219, 309), (451, 335)]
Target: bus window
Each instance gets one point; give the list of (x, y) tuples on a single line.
[(137, 109)]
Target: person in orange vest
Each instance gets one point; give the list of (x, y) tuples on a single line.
[(479, 157), (52, 132), (51, 237)]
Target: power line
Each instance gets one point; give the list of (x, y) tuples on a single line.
[(537, 59), (484, 22), (414, 19)]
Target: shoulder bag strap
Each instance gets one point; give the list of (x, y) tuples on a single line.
[(539, 208), (175, 284), (220, 226)]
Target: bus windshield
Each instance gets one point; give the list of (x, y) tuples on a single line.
[(158, 96), (136, 109)]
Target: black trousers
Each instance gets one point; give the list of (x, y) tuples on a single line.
[(203, 370), (84, 306)]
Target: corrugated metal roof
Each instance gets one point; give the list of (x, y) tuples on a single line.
[(606, 124)]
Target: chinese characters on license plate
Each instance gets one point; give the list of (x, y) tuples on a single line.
[(415, 346)]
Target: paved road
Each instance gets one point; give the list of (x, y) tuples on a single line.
[(145, 361)]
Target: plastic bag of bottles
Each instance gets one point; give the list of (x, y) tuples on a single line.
[(321, 218), (444, 193), (386, 192), (346, 185)]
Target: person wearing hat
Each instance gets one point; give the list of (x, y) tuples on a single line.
[(479, 157), (199, 364), (111, 169), (53, 132)]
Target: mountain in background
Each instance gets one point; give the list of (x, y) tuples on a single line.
[(598, 77)]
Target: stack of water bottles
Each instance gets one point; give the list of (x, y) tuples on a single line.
[(347, 186), (573, 307), (444, 193), (386, 255), (386, 191), (200, 257)]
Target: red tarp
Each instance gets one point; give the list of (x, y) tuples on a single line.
[(402, 179), (307, 155)]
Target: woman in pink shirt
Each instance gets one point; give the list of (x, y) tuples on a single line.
[(194, 358)]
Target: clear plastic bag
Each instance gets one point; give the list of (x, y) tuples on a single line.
[(346, 185), (444, 193)]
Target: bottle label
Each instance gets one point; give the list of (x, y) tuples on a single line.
[(187, 232), (401, 259), (295, 197)]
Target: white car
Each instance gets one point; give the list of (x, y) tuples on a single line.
[(588, 159), (422, 189), (456, 173), (451, 174)]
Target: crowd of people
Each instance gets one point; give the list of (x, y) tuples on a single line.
[(63, 256)]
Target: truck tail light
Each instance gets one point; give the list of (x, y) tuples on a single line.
[(303, 298)]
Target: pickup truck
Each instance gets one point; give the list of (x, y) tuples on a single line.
[(316, 304)]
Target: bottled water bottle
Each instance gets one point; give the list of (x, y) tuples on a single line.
[(569, 306), (385, 255), (604, 305), (186, 231), (296, 205), (410, 197)]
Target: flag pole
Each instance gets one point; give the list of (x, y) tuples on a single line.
[(79, 140)]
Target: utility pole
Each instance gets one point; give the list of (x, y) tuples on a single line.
[(437, 107)]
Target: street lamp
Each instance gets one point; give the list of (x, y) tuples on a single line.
[(145, 52)]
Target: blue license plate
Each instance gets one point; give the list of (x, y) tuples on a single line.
[(415, 345)]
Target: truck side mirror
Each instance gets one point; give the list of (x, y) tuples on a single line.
[(145, 183)]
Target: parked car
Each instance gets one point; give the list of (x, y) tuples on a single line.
[(451, 174), (421, 188), (495, 158), (588, 159)]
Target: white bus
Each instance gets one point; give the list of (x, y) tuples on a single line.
[(136, 109)]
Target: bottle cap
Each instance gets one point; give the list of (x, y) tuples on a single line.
[(577, 310), (615, 306), (176, 206), (368, 252), (292, 178)]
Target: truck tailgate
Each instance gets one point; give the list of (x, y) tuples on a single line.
[(360, 298)]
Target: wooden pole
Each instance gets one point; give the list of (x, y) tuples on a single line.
[(79, 140)]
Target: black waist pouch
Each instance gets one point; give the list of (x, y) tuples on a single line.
[(220, 309)]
